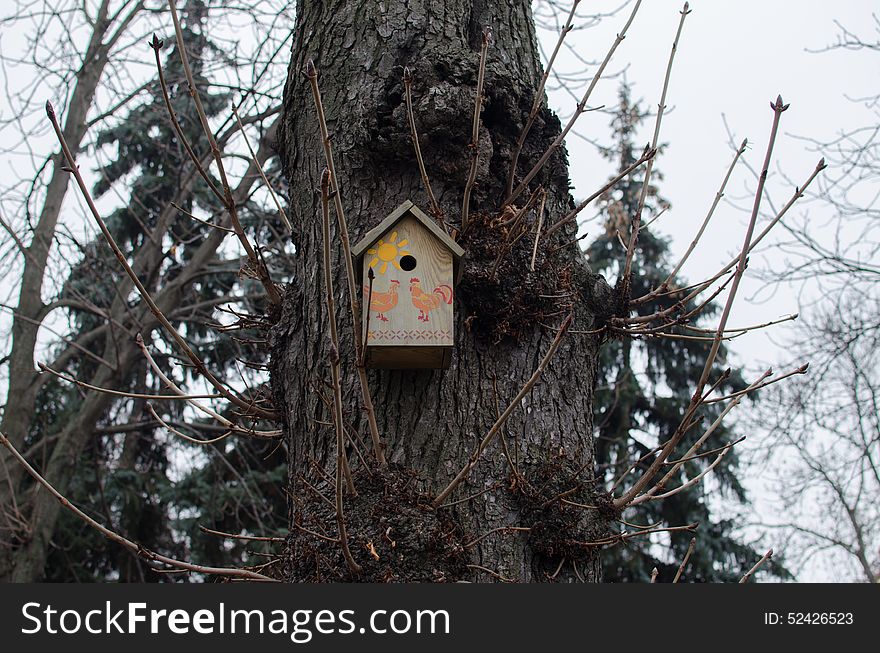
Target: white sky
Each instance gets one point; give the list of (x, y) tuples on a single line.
[(734, 58)]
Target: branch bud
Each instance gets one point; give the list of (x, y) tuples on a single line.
[(778, 106)]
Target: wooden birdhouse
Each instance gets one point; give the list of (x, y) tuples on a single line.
[(407, 310)]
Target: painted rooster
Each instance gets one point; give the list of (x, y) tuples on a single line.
[(382, 302), (427, 302)]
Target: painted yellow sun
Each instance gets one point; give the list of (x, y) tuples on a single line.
[(387, 252)]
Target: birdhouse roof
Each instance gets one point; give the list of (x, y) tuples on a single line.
[(407, 208)]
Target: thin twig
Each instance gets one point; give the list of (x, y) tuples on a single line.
[(623, 537), (133, 547), (685, 561), (696, 399), (691, 482), (256, 161), (511, 225), (751, 572), (157, 45), (504, 448), (709, 214), (474, 145), (637, 218), (122, 393), (538, 230), (334, 370), (496, 427), (800, 370), (538, 99), (210, 412), (581, 108), (256, 263), (494, 486), (436, 211), (798, 193), (311, 74), (204, 222), (500, 529), (705, 454), (181, 434), (249, 538), (503, 579), (647, 155)]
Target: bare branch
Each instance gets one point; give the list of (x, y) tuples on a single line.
[(133, 547), (474, 145), (751, 572), (353, 294), (499, 423)]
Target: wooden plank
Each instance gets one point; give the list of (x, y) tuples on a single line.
[(373, 234), (389, 222), (408, 358)]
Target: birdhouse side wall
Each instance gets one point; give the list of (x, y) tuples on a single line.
[(408, 307)]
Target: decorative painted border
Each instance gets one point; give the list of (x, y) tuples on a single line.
[(402, 334)]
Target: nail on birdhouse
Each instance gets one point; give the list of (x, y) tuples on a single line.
[(408, 267)]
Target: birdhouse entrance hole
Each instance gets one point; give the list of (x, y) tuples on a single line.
[(408, 263)]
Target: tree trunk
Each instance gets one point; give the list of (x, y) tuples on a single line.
[(432, 421), (30, 311)]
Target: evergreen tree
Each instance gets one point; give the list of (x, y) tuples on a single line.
[(125, 476), (644, 385)]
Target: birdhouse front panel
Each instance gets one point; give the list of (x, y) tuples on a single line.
[(410, 306)]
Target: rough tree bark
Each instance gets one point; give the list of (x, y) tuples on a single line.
[(431, 421)]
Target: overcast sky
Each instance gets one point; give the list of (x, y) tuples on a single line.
[(734, 57)]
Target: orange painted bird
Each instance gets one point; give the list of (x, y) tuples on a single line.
[(427, 302), (382, 302)]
